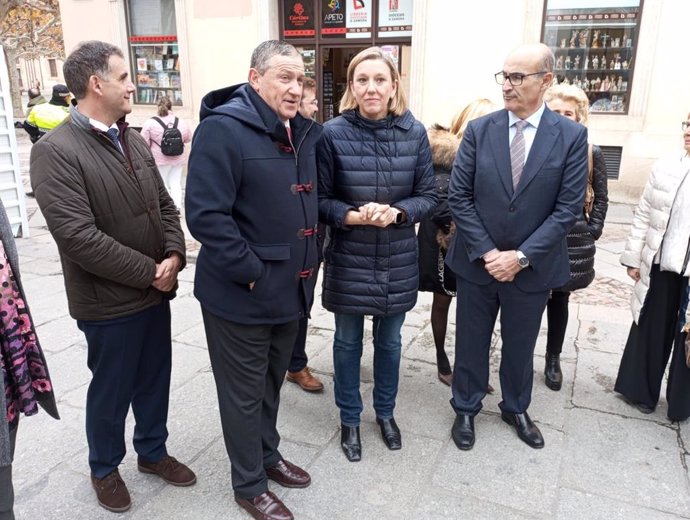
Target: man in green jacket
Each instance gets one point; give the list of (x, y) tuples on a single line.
[(121, 247)]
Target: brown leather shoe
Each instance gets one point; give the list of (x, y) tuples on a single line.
[(266, 506), (111, 492), (305, 380), (170, 470), (288, 475)]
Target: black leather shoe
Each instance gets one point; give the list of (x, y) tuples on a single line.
[(390, 433), (525, 428), (552, 372), (463, 431), (351, 443)]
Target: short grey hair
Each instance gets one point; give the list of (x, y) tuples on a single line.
[(88, 59), (266, 50), (548, 59)]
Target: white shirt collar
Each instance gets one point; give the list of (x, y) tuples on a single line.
[(102, 126), (532, 120)]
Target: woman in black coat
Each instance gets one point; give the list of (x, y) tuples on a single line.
[(375, 183), (572, 102), (436, 230)]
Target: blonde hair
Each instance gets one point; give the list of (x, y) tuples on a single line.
[(570, 94), (477, 108), (164, 106), (397, 105)]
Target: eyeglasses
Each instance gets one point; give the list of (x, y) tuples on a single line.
[(515, 78), (685, 125)]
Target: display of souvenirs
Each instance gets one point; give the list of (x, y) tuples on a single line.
[(586, 62), (595, 39), (584, 36), (573, 38), (577, 62), (563, 40), (559, 62), (605, 85), (567, 63), (603, 63), (595, 62)]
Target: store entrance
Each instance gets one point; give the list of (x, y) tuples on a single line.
[(334, 77)]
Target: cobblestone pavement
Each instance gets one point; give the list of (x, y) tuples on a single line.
[(603, 459)]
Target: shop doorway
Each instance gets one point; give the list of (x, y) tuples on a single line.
[(332, 78)]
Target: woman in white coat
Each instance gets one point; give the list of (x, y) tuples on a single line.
[(656, 255)]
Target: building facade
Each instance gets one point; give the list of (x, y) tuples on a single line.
[(447, 51)]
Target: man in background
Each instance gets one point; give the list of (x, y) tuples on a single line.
[(298, 371), (45, 116)]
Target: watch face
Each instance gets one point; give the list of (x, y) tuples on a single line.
[(523, 262)]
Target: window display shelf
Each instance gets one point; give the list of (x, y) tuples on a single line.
[(595, 49)]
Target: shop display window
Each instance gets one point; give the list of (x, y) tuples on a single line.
[(154, 52), (595, 48)]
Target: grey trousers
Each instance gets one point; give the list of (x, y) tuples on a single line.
[(6, 489)]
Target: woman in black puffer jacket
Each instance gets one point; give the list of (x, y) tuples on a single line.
[(572, 102), (375, 182)]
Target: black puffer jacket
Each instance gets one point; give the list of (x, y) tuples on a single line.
[(586, 231), (372, 270)]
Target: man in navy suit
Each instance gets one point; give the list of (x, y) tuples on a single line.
[(510, 248)]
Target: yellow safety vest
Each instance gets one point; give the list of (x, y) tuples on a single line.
[(46, 116)]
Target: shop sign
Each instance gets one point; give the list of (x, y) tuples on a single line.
[(298, 19), (358, 15), (395, 18), (333, 18)]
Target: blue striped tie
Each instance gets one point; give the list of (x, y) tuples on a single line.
[(517, 152)]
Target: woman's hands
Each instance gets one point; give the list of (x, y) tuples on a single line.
[(373, 214)]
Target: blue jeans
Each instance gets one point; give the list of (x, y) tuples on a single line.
[(347, 353)]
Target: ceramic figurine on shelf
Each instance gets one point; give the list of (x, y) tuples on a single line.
[(595, 39), (563, 40), (559, 62), (617, 64), (573, 38), (585, 84), (612, 64), (584, 36), (596, 83), (577, 62), (616, 42), (567, 63), (595, 61), (614, 87), (619, 83), (604, 39), (586, 66), (603, 62), (625, 65), (605, 85)]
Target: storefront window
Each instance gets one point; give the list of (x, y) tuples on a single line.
[(154, 50), (595, 43)]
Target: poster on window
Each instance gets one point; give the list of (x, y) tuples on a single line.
[(333, 18), (395, 18), (358, 19), (298, 19)]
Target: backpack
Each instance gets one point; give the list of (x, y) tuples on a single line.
[(171, 142)]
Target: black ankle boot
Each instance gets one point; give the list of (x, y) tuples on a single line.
[(552, 372), (350, 442)]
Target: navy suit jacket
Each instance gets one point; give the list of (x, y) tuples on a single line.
[(535, 217)]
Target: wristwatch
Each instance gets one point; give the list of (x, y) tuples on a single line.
[(522, 259), (399, 216)]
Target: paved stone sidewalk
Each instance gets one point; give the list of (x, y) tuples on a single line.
[(603, 459)]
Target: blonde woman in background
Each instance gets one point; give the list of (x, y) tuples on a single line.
[(571, 102), (169, 166), (436, 230)]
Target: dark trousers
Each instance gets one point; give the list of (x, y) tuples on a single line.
[(477, 308), (6, 488), (649, 347), (557, 318), (130, 359), (299, 357), (249, 364)]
